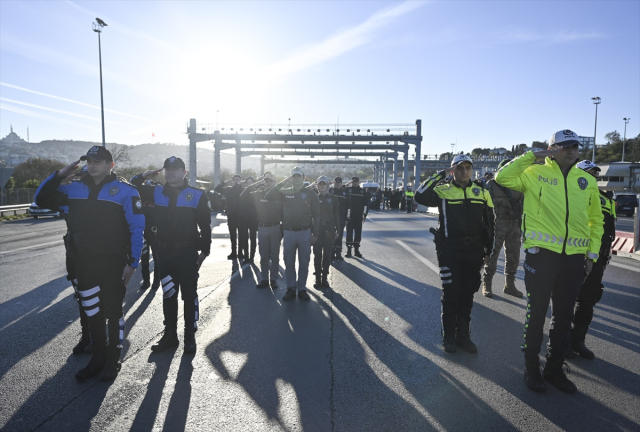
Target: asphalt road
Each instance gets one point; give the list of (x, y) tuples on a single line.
[(364, 356)]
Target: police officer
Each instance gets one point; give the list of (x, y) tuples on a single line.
[(232, 194), (342, 195), (409, 199), (269, 214), (356, 215), (106, 222), (508, 208), (149, 247), (592, 288), (301, 226), (464, 243), (248, 226), (562, 231), (183, 221), (329, 216)]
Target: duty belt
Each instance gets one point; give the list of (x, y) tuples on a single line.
[(462, 240), (297, 229), (268, 225), (176, 245)]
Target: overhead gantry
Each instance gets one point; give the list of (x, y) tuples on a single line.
[(379, 141)]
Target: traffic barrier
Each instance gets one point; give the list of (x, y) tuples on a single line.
[(624, 242), (13, 208)]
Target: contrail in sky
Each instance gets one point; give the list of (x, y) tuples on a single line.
[(57, 110), (69, 100)]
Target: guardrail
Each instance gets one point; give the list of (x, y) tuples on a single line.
[(13, 208)]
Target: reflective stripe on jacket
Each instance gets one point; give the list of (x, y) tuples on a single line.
[(560, 214)]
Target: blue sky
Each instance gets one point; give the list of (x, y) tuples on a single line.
[(483, 73)]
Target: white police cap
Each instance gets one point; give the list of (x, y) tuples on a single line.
[(459, 159), (565, 138), (586, 165)]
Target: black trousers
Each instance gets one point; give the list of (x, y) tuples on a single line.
[(72, 276), (322, 249), (409, 206), (337, 244), (460, 276), (247, 230), (179, 272), (556, 277), (101, 292), (591, 290), (148, 250), (233, 223), (354, 232)]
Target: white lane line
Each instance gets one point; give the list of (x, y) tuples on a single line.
[(425, 261), (624, 266), (30, 247)]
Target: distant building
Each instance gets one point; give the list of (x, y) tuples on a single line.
[(498, 151), (587, 142), (12, 138), (620, 176)]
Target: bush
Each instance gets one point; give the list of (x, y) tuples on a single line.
[(32, 184)]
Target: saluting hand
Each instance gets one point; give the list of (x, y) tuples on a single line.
[(69, 169), (127, 274), (151, 173), (544, 153)]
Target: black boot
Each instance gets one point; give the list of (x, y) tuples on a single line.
[(339, 256), (554, 373), (156, 283), (325, 282), (85, 341), (274, 284), (357, 252), (463, 337), (578, 335), (112, 365), (96, 364), (145, 284), (448, 334), (233, 254), (190, 346), (348, 255), (263, 284), (168, 340), (318, 283), (532, 375)]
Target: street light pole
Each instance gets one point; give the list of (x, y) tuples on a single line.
[(624, 141), (596, 100), (97, 27)]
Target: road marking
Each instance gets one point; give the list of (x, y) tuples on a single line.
[(425, 261), (30, 247), (624, 266)]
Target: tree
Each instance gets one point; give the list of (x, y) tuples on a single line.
[(613, 138), (540, 144), (248, 173), (120, 154), (36, 169), (32, 184)]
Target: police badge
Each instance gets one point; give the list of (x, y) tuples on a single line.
[(189, 197), (114, 190), (476, 191), (304, 195), (602, 201), (329, 200), (583, 183)]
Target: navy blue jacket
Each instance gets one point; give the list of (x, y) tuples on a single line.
[(179, 212), (104, 219)]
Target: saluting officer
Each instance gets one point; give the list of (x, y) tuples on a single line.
[(248, 225), (301, 226), (342, 195), (183, 221), (232, 194), (106, 224), (464, 242), (356, 215), (269, 228), (562, 232), (592, 288), (329, 216)]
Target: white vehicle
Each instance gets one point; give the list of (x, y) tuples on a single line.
[(36, 212), (370, 186)]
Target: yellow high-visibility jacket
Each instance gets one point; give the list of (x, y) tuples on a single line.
[(560, 214), (409, 195)]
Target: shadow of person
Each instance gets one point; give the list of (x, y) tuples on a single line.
[(178, 410), (148, 410)]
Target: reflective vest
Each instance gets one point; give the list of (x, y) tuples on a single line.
[(409, 195), (561, 214)]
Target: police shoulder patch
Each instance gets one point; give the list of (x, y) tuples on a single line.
[(114, 190), (476, 191), (583, 183), (304, 195), (136, 205), (189, 197), (603, 201)]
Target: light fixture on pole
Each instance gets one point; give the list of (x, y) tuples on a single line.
[(596, 100), (624, 141), (97, 27), (452, 146)]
